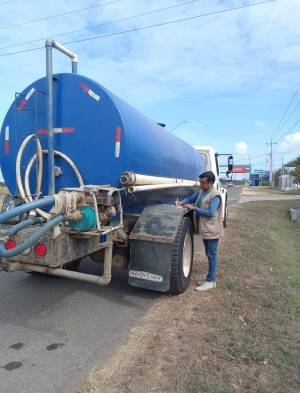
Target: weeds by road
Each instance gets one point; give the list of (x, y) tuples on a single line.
[(241, 337), (3, 190)]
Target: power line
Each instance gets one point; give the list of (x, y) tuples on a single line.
[(104, 24), (22, 51), (149, 26), (292, 128), (279, 125), (61, 14), (294, 148), (174, 21), (288, 117), (253, 157), (7, 2), (286, 111), (259, 155)]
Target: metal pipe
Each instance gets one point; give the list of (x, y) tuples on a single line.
[(49, 76), (96, 211), (90, 278), (105, 279), (74, 67), (75, 275), (73, 56), (112, 229)]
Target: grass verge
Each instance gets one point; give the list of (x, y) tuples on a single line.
[(241, 337)]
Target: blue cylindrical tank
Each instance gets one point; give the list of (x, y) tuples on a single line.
[(101, 133)]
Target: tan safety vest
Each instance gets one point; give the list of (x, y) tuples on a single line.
[(210, 227)]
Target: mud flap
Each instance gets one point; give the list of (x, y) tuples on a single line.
[(151, 242)]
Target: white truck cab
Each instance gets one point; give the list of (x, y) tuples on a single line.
[(210, 157)]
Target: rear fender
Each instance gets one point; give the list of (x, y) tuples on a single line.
[(151, 243)]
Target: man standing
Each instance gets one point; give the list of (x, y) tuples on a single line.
[(207, 207)]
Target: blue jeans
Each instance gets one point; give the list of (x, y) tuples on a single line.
[(211, 251)]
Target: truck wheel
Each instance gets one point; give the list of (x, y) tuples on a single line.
[(225, 215), (73, 265), (182, 258)]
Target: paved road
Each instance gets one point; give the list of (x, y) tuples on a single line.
[(54, 330)]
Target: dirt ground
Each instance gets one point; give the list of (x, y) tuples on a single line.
[(241, 337)]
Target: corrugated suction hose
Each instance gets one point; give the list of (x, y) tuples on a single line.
[(32, 239)]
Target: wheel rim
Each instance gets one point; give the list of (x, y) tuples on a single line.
[(187, 255)]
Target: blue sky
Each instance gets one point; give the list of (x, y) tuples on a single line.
[(228, 77)]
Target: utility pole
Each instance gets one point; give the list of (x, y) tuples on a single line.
[(282, 166), (271, 160), (249, 168)]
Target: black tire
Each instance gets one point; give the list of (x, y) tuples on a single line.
[(225, 220), (178, 281), (73, 265)]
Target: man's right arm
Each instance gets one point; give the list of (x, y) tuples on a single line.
[(190, 199)]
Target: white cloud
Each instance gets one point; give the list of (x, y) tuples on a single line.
[(221, 54), (241, 147), (236, 54), (290, 142), (260, 123)]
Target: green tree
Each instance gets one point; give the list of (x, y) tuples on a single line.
[(296, 173), (294, 162)]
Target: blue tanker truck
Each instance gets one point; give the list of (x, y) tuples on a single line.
[(90, 176)]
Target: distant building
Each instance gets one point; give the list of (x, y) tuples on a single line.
[(289, 169), (287, 182)]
